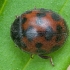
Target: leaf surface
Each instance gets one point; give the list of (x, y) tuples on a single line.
[(11, 57)]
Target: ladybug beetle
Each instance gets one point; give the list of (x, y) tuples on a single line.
[(39, 31)]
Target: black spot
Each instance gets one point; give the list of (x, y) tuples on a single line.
[(56, 47), (24, 19), (41, 14), (38, 45), (28, 12), (58, 38), (55, 17), (59, 29), (49, 33)]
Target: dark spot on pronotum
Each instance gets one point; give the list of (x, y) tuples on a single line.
[(38, 45), (15, 31), (59, 29), (56, 47), (49, 33), (55, 16), (41, 14), (24, 19)]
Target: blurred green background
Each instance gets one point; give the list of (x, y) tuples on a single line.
[(11, 57)]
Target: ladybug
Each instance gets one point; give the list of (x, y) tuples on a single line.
[(39, 31)]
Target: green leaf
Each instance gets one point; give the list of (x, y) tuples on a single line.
[(2, 4), (11, 57)]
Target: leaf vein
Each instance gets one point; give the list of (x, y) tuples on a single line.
[(3, 6), (63, 6), (27, 63)]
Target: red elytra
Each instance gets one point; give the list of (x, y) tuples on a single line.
[(39, 31)]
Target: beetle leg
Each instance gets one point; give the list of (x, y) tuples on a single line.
[(31, 56), (47, 57)]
